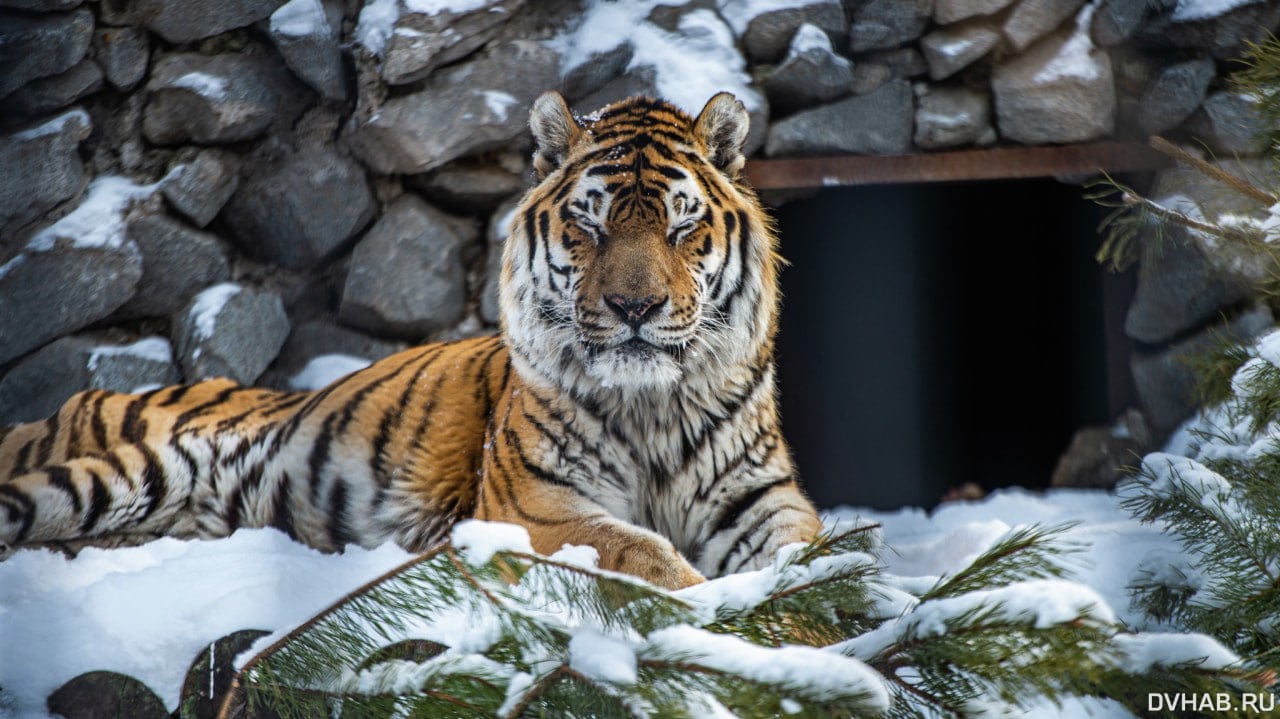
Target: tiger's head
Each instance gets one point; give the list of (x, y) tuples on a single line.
[(638, 260)]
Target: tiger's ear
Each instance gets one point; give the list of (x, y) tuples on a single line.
[(554, 132), (723, 125)]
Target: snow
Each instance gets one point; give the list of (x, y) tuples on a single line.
[(1075, 59), (374, 25), (53, 126), (323, 370), (690, 65), (154, 348), (601, 657), (99, 220), (821, 674), (148, 611), (208, 304), (300, 18), (435, 7), (499, 103), (210, 87), (740, 13), (477, 540), (1144, 651), (809, 37), (1187, 10)]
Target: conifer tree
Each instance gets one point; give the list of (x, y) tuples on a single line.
[(484, 627), (1217, 489)]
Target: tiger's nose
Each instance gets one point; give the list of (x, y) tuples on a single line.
[(635, 311)]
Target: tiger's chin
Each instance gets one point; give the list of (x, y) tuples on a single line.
[(634, 367)]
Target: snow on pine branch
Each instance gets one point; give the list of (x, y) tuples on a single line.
[(516, 634)]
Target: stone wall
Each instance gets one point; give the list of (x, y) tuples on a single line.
[(281, 192)]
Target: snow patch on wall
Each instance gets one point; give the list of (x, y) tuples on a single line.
[(99, 220), (208, 304), (323, 370), (154, 348), (300, 18), (53, 126)]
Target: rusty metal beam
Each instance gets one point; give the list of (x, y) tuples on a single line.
[(995, 163)]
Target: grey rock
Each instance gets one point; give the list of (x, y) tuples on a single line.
[(316, 338), (310, 47), (596, 71), (949, 50), (298, 206), (467, 108), (38, 385), (190, 20), (1058, 91), (423, 41), (1100, 456), (229, 330), (1165, 379), (1224, 36), (106, 694), (40, 167), (56, 91), (868, 76), (407, 278), (40, 5), (473, 186), (810, 74), (1179, 286), (496, 235), (1173, 94), (123, 53), (1033, 19), (1115, 21), (1229, 124), (41, 45), (642, 80), (177, 262), (883, 24), (201, 187), (69, 276), (902, 63), (951, 116), (765, 37), (878, 123), (948, 11), (217, 98)]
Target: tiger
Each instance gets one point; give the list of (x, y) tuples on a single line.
[(628, 402)]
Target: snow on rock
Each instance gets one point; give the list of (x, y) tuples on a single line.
[(691, 64), (477, 540), (206, 305), (1060, 90), (308, 40), (1187, 10), (153, 349), (99, 220), (298, 18), (376, 22), (324, 370), (147, 611), (814, 673)]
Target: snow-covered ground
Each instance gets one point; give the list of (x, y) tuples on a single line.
[(148, 611)]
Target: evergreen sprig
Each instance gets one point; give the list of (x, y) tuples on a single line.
[(546, 637)]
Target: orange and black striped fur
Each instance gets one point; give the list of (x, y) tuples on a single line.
[(628, 404)]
